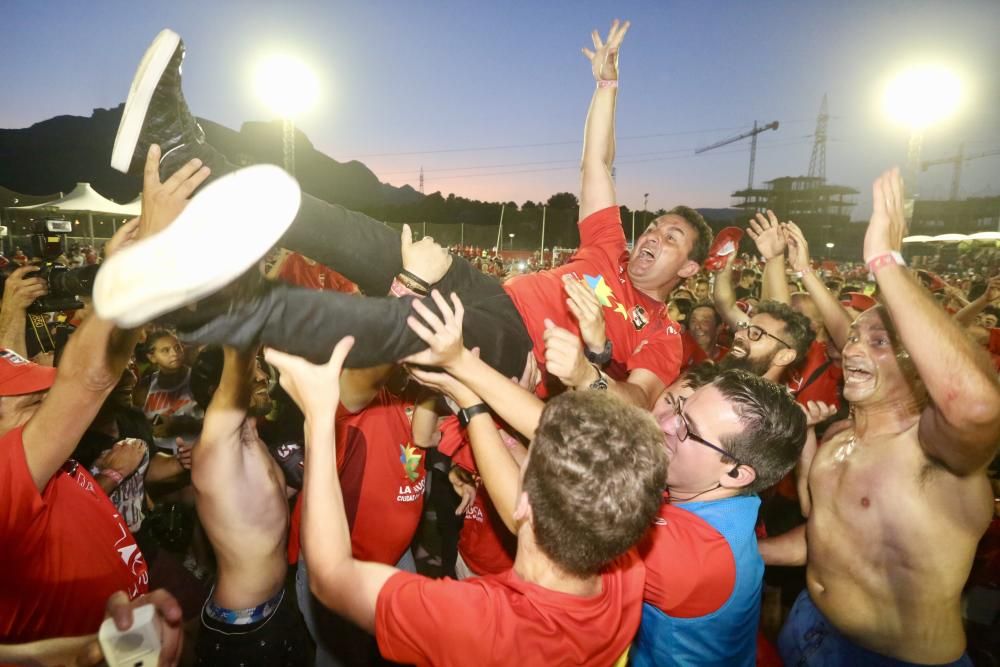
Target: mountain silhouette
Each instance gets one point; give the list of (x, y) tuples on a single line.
[(56, 154)]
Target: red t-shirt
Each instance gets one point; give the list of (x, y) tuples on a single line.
[(304, 272), (826, 386), (484, 542), (65, 551), (504, 620), (994, 347), (690, 569), (382, 477), (641, 333), (693, 354)]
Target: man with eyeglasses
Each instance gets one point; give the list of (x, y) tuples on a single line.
[(732, 436), (770, 343), (727, 436)]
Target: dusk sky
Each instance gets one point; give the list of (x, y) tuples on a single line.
[(490, 98)]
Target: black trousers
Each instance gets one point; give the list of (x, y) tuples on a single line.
[(309, 323)]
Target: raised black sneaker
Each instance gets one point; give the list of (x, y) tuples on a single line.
[(156, 113), (224, 230)]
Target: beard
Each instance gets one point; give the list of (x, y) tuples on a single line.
[(260, 406), (755, 366)]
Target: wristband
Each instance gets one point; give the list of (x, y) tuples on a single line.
[(607, 83), (113, 475), (879, 262), (465, 415), (410, 285), (414, 278), (398, 289)]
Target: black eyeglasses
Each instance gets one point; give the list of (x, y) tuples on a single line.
[(754, 333), (684, 432)]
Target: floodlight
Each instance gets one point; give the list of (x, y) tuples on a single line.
[(286, 85), (922, 95)]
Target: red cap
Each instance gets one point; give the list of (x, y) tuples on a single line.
[(20, 376), (726, 243), (858, 301), (932, 280)]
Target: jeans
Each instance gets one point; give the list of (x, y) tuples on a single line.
[(339, 643), (808, 639)]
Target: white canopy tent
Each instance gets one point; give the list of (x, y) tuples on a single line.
[(85, 199)]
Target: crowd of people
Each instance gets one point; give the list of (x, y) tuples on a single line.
[(249, 448)]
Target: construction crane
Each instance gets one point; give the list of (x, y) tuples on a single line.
[(753, 145), (957, 160)]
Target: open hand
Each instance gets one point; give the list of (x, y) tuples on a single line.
[(443, 335), (21, 288), (447, 385), (993, 290), (564, 357), (798, 248), (314, 388), (163, 202), (604, 57), (465, 487), (766, 232), (887, 225), (425, 259), (588, 312), (817, 412)]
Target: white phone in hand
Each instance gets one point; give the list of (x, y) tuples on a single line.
[(139, 646)]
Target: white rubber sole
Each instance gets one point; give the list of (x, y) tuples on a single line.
[(147, 76), (225, 229)]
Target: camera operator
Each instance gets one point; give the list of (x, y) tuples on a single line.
[(73, 548), (20, 290)]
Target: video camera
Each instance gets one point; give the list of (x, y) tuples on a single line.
[(48, 241)]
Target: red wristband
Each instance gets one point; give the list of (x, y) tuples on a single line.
[(876, 264), (113, 475), (607, 83)]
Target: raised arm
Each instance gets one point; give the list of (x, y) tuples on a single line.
[(724, 296), (497, 466), (835, 318), (597, 189), (349, 587), (770, 239), (961, 425), (512, 403), (816, 412), (19, 291), (967, 315), (91, 366), (228, 408)]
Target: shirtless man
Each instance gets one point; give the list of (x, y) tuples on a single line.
[(900, 498), (240, 496)]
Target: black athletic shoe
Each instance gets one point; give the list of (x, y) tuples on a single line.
[(156, 113)]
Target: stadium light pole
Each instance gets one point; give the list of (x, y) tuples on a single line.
[(288, 88), (918, 97)]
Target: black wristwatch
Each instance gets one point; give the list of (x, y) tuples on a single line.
[(465, 415), (602, 358)]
